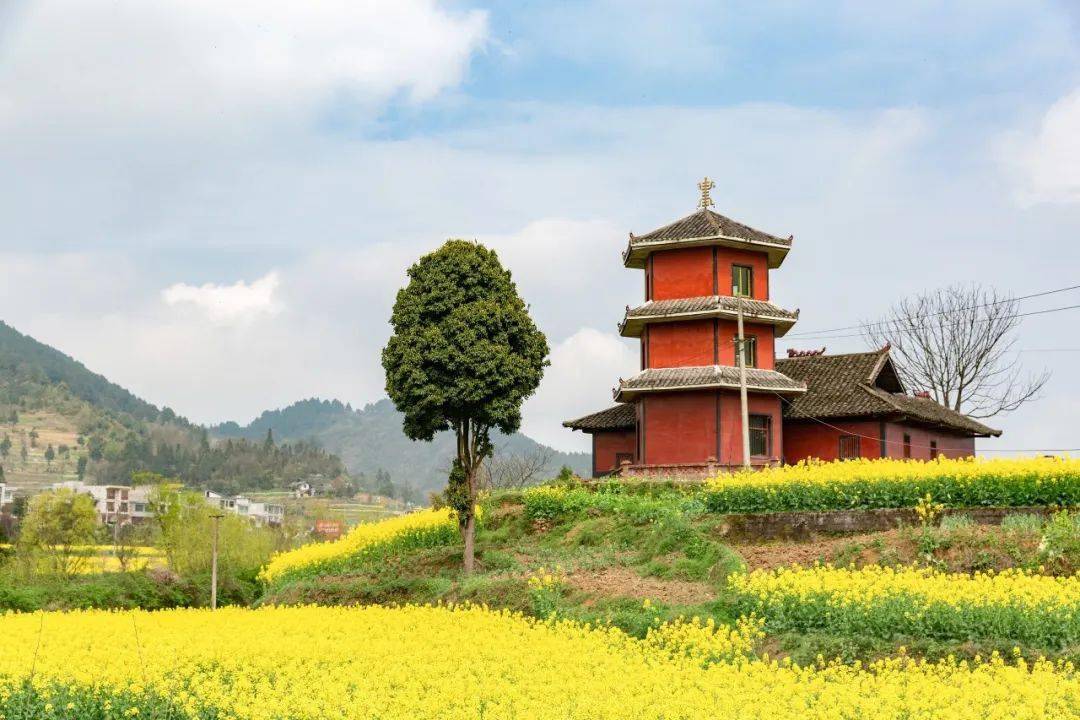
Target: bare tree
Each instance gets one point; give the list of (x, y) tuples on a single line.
[(511, 471), (957, 343)]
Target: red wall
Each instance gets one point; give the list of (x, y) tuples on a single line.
[(688, 272), (731, 424), (766, 350), (803, 440), (609, 443), (680, 344), (682, 273), (726, 257), (680, 427), (948, 445)]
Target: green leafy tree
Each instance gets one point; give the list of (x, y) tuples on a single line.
[(80, 467), (464, 356), (50, 455), (33, 437), (5, 445), (56, 523)]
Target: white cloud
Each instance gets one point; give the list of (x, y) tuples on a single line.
[(584, 369), (1048, 161), (227, 303), (178, 62)]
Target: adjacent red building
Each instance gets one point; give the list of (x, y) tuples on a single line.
[(682, 412)]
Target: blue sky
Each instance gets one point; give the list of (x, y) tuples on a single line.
[(213, 203)]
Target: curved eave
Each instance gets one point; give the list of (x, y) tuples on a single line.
[(622, 394), (633, 326), (637, 253)]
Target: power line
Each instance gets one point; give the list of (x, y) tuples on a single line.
[(821, 333), (920, 327), (916, 445)]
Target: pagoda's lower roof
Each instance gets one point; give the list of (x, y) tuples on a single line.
[(707, 377), (707, 306)]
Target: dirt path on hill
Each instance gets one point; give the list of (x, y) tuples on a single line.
[(778, 554), (617, 581)]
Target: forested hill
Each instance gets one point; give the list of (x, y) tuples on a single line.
[(26, 365), (371, 438), (60, 421)]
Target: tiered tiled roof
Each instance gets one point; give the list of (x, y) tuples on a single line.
[(706, 306), (620, 417), (865, 385), (704, 377), (705, 227)]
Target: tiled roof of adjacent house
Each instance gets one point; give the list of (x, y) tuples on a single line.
[(705, 306), (707, 376), (864, 385), (620, 417), (706, 223)]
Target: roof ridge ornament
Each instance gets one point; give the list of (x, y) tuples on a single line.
[(706, 200)]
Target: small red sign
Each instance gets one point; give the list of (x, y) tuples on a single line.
[(329, 529)]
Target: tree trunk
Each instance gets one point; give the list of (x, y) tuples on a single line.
[(470, 541)]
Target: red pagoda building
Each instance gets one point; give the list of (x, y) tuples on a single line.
[(682, 412)]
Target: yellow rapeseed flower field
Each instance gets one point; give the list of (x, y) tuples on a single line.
[(429, 662), (966, 482), (1011, 605), (422, 527)]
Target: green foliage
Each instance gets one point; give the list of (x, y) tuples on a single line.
[(1059, 549), (464, 348), (53, 701), (55, 523), (553, 503), (187, 528)]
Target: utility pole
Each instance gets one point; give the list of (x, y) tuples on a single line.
[(741, 350), (213, 563)]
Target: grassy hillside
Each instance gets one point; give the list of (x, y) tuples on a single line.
[(632, 556), (370, 439)]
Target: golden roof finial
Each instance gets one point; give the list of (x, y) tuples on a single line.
[(706, 200)]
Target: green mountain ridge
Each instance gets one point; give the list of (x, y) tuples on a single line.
[(123, 433), (60, 421), (370, 438)]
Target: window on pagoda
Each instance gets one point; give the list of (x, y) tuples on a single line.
[(749, 350), (849, 447), (907, 446), (933, 450), (760, 435), (742, 281)]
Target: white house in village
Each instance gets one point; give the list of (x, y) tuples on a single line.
[(7, 497), (115, 503), (258, 512)]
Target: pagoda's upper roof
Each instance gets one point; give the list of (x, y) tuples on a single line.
[(707, 377), (705, 227), (706, 306)]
